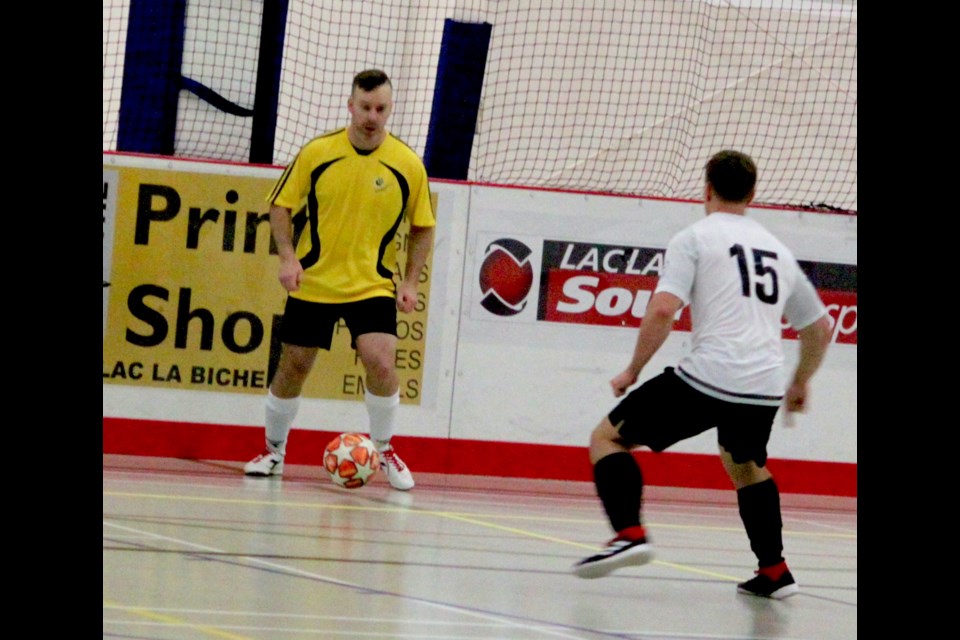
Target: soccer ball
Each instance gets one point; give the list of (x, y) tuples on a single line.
[(351, 460)]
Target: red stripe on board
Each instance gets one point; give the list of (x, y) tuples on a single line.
[(195, 441)]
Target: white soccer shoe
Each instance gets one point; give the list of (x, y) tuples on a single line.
[(397, 471), (268, 463)]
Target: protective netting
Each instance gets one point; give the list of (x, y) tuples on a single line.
[(603, 96)]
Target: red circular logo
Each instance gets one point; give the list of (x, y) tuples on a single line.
[(506, 277)]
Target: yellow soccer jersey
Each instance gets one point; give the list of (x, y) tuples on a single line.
[(353, 205)]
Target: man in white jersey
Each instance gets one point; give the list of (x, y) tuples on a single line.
[(739, 281)]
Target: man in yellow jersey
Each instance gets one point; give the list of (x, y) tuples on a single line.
[(357, 184)]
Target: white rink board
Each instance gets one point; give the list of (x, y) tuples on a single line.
[(517, 379)]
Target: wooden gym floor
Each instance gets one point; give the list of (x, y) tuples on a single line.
[(194, 550)]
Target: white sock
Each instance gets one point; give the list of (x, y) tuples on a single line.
[(382, 411), (280, 414)]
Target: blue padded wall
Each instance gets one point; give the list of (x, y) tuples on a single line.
[(456, 99), (151, 76)]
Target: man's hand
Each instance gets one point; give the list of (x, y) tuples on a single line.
[(796, 398), (406, 297), (623, 381), (794, 401), (291, 274)]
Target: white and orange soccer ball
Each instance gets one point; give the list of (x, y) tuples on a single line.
[(351, 459)]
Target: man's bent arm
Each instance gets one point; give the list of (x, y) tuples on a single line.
[(814, 340), (421, 242), (418, 249), (281, 226), (654, 329)]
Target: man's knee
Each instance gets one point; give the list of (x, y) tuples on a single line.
[(604, 432), (296, 362), (743, 474), (378, 357), (605, 439)]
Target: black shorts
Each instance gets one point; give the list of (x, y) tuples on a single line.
[(311, 324), (665, 410)]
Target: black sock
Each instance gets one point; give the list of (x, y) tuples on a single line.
[(619, 485), (760, 511)]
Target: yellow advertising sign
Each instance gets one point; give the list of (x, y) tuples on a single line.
[(192, 298)]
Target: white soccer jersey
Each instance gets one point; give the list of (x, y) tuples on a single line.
[(739, 281)]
